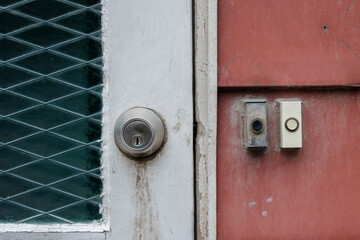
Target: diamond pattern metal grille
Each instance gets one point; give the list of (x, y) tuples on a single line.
[(50, 111)]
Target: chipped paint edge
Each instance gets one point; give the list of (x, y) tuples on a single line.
[(103, 225), (105, 157), (52, 228), (206, 116)]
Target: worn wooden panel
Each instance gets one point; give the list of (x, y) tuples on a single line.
[(287, 42), (205, 96), (312, 193), (148, 50)]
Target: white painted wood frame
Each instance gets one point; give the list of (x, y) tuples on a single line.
[(148, 47), (148, 61), (206, 116)]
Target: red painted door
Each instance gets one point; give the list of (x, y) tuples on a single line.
[(305, 49)]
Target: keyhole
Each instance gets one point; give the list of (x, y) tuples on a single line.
[(138, 140)]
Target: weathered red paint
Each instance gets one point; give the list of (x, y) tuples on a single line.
[(313, 193), (288, 42)]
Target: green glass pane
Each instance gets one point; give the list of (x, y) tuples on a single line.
[(86, 186), (84, 103), (97, 35), (45, 9), (10, 103), (86, 2), (5, 3), (45, 144), (86, 49), (85, 76), (85, 158), (13, 22), (97, 145), (97, 117), (44, 219), (97, 89), (96, 200), (85, 22), (14, 186), (11, 158), (96, 172), (45, 89), (45, 36), (45, 63), (97, 7), (82, 212), (11, 212), (50, 111), (45, 172), (10, 76), (45, 117), (98, 62), (45, 199), (11, 130), (85, 131), (10, 49)]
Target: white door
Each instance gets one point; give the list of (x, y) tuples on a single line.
[(147, 53)]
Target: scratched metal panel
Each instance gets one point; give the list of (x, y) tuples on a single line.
[(311, 193), (289, 43)]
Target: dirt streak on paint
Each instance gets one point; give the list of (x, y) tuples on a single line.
[(145, 217)]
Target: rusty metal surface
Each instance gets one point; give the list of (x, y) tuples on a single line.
[(312, 193), (287, 42)]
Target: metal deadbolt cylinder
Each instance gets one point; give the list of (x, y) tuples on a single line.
[(139, 132)]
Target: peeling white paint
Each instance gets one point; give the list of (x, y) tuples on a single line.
[(269, 200), (105, 163), (53, 228), (150, 65), (52, 236), (252, 204), (264, 213), (206, 116)]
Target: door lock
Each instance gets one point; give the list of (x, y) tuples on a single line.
[(139, 132)]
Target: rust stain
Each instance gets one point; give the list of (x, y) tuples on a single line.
[(176, 128)]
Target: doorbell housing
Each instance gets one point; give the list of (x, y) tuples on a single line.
[(290, 123), (255, 124)]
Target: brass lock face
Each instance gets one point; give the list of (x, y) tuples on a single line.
[(139, 132)]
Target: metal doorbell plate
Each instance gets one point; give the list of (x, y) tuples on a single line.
[(255, 124)]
